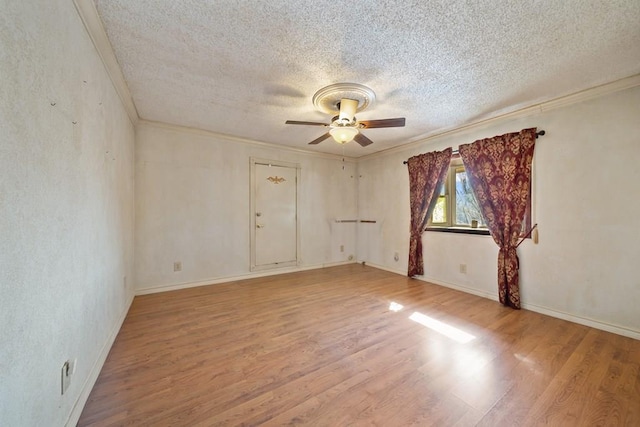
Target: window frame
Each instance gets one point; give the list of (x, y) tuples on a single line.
[(449, 196)]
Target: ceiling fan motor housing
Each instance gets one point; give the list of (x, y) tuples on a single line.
[(337, 121)]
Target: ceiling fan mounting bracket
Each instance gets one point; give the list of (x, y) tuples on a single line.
[(327, 99)]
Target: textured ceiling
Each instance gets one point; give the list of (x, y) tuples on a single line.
[(244, 67)]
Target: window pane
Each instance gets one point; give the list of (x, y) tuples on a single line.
[(439, 215), (440, 211), (467, 208)]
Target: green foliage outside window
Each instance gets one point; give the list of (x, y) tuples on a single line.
[(467, 207)]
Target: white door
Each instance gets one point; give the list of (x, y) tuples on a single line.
[(274, 212)]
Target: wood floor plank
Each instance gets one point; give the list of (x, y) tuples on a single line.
[(328, 347)]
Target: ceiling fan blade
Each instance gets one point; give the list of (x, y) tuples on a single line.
[(296, 122), (384, 123), (362, 140), (320, 139)]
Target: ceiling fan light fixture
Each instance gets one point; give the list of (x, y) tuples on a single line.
[(346, 99), (342, 135)]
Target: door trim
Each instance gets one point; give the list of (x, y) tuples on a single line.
[(252, 213)]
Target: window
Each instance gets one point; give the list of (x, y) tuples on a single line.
[(457, 209), (456, 205)]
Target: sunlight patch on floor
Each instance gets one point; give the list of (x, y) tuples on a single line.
[(394, 306), (442, 328)]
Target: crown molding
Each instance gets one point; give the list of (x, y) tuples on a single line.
[(594, 92), (563, 101), (89, 15), (231, 138)]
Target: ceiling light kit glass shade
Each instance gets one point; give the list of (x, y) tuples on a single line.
[(342, 135)]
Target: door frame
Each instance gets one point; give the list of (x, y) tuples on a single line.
[(252, 212)]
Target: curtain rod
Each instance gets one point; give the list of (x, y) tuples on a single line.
[(539, 133)]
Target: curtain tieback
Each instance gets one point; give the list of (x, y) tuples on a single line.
[(527, 235)]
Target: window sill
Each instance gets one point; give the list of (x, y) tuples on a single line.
[(460, 230)]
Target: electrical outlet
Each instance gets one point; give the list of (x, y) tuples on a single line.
[(396, 257), (341, 248), (177, 266), (124, 281), (463, 268)]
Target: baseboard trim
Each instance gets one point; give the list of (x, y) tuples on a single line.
[(464, 289), (382, 267), (74, 417), (225, 279), (438, 282), (596, 324)]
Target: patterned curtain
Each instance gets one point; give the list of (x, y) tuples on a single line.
[(426, 174), (499, 171)]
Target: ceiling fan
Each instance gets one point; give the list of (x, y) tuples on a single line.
[(346, 99)]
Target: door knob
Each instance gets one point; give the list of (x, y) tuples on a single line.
[(258, 213), (259, 226)]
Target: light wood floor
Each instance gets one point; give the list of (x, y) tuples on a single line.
[(323, 348)]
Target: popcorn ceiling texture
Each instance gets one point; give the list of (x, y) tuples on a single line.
[(243, 68)]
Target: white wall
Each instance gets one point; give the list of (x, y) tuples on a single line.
[(66, 210), (586, 202), (192, 205)]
